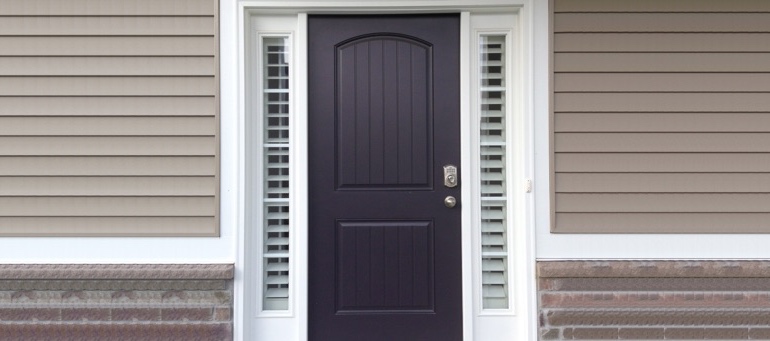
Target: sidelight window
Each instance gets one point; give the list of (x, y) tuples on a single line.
[(276, 110), (492, 153)]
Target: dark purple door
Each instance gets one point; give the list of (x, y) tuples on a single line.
[(385, 258)]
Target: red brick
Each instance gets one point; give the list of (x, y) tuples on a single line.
[(726, 333), (549, 334), (658, 284), (222, 314), (759, 333), (586, 317), (136, 314), (85, 314), (125, 332), (174, 296), (29, 314), (641, 333), (23, 296), (591, 333), (72, 296), (652, 269), (545, 284), (186, 314), (655, 300), (685, 333)]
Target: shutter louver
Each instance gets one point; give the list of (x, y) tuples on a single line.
[(494, 250), (276, 227)]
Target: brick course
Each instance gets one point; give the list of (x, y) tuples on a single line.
[(649, 300), (125, 303)]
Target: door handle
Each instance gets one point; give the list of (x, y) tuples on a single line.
[(450, 201)]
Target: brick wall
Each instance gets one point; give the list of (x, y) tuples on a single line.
[(116, 302), (654, 300)]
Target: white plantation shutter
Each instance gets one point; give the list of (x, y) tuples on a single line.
[(276, 227), (494, 229)]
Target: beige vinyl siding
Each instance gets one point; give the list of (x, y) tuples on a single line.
[(108, 106), (660, 116), (109, 122)]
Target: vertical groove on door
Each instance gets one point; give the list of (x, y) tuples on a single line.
[(376, 113), (407, 243), (362, 113), (404, 113), (384, 144), (390, 106)]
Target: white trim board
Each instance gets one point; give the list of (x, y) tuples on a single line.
[(519, 322)]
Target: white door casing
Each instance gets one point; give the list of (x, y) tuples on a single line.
[(289, 18)]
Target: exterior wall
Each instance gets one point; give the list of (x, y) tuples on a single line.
[(116, 302), (660, 116), (725, 300), (109, 118), (109, 129)]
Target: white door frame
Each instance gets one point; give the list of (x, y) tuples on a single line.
[(249, 323)]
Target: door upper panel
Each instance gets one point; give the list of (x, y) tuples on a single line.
[(383, 113)]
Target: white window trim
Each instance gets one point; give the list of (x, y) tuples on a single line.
[(495, 25), (519, 322), (255, 179)]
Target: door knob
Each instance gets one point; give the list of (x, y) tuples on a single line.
[(450, 201)]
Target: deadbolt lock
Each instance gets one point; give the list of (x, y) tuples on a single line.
[(450, 176)]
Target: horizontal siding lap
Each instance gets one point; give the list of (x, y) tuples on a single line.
[(662, 82), (107, 186), (662, 183), (106, 126), (109, 117), (662, 102), (108, 106), (663, 142), (107, 7), (93, 206), (661, 62), (661, 122), (108, 146), (662, 202), (108, 166), (661, 114), (662, 42), (660, 6), (108, 66), (663, 162), (108, 86), (108, 26), (107, 46), (663, 22), (93, 226)]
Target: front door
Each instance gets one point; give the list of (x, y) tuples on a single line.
[(385, 248)]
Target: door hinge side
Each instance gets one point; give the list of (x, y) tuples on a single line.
[(528, 185)]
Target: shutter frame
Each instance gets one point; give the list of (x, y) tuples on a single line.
[(492, 166), (276, 152)]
